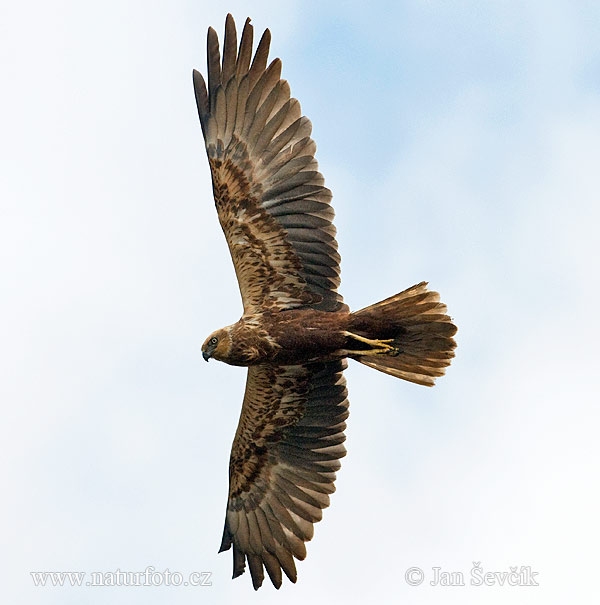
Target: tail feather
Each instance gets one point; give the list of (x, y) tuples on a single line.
[(416, 320)]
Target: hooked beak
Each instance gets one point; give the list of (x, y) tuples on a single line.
[(205, 355)]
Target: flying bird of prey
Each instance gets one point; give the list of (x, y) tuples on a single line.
[(295, 333)]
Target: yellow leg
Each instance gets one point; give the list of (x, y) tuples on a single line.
[(369, 341), (390, 351), (380, 347)]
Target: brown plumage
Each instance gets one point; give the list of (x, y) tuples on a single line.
[(296, 332)]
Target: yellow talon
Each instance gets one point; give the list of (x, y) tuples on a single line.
[(380, 347), (384, 344)]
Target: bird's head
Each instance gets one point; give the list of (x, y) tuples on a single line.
[(217, 345)]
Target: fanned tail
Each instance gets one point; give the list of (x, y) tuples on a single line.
[(418, 331)]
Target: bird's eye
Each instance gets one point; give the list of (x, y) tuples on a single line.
[(213, 340)]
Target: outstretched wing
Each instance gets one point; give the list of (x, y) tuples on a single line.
[(271, 199), (283, 460)]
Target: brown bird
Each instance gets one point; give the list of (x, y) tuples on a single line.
[(296, 332)]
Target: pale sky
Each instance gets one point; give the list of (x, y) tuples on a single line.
[(460, 140)]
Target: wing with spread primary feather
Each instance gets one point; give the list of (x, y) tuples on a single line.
[(270, 196), (283, 461)]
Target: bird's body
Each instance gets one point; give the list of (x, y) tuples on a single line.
[(296, 332), (284, 337)]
